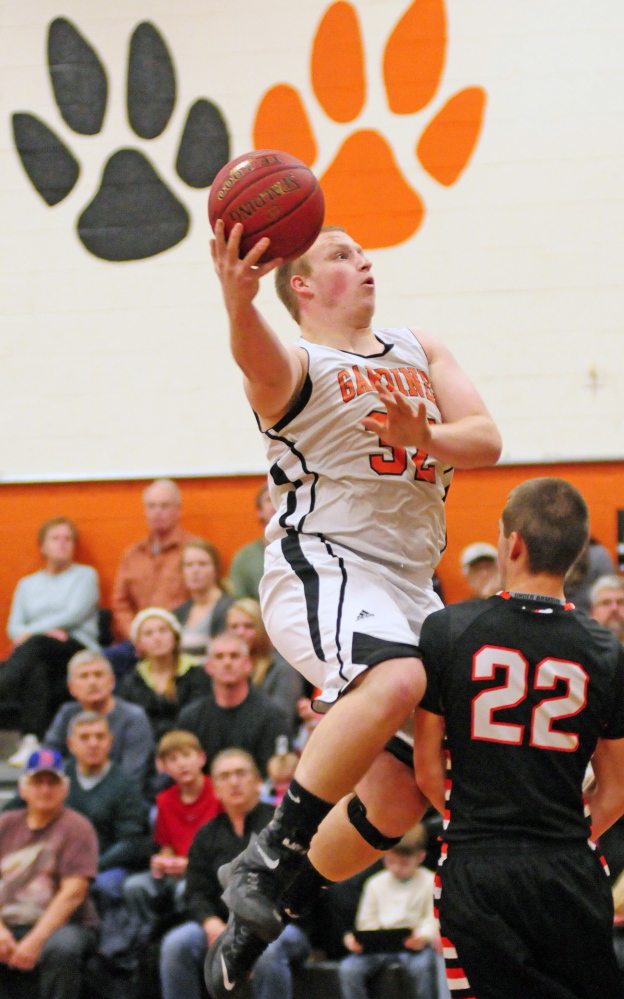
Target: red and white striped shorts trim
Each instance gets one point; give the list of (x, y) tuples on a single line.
[(458, 984)]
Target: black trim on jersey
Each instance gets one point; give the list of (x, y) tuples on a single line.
[(299, 404), (291, 502), (279, 476), (401, 750), (292, 551), (387, 348), (343, 587), (370, 650)]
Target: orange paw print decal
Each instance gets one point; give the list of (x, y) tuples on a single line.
[(365, 190)]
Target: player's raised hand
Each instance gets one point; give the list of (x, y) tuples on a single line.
[(405, 426), (240, 279)]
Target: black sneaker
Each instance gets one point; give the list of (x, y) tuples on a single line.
[(253, 883), (230, 960)]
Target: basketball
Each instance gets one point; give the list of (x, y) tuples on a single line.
[(272, 194)]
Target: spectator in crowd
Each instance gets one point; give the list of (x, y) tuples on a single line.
[(309, 719), (593, 562), (149, 571), (54, 614), (103, 792), (234, 714), (91, 683), (247, 565), (180, 811), (237, 784), (606, 599), (400, 897), (480, 567), (270, 672), (203, 614), (165, 679), (48, 856), (281, 770)]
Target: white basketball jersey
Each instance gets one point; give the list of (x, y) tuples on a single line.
[(330, 477)]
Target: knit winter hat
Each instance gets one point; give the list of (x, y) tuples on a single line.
[(160, 612)]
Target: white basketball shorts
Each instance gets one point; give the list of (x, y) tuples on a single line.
[(333, 614)]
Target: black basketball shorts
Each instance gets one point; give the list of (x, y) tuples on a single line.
[(528, 921)]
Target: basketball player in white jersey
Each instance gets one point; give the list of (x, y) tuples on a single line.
[(363, 428)]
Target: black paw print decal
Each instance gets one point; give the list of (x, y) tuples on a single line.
[(134, 214)]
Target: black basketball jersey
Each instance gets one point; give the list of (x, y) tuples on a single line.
[(527, 687)]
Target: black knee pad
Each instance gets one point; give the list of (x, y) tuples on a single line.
[(356, 811)]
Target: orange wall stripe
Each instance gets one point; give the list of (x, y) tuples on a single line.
[(109, 517)]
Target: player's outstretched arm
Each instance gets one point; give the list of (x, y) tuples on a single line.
[(429, 763), (606, 804), (273, 372), (467, 437)]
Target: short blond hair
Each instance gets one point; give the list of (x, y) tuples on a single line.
[(173, 742), (286, 271)]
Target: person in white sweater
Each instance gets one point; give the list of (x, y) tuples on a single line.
[(54, 614), (400, 897)]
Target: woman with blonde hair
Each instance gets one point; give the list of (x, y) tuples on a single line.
[(165, 679), (203, 615), (271, 673)]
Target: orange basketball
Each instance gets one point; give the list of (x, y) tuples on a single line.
[(272, 194)]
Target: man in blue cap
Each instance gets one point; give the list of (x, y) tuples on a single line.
[(48, 856)]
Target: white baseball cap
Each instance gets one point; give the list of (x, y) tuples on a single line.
[(480, 549)]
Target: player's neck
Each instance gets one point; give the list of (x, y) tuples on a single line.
[(542, 584), (332, 330)]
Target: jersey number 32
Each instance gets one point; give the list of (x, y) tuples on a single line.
[(547, 673)]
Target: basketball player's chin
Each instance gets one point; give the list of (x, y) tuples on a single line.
[(364, 312)]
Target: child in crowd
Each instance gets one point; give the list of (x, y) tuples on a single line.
[(181, 810), (186, 806), (280, 769), (400, 897)]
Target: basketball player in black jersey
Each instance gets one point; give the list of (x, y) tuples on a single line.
[(526, 691)]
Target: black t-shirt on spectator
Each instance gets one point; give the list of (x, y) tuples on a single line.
[(253, 725), (215, 844)]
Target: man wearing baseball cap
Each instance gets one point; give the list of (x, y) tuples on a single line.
[(480, 567), (48, 856)]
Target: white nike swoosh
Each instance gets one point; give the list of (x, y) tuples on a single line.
[(226, 981), (294, 797), (271, 864)]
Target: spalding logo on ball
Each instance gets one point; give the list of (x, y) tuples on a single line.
[(272, 194)]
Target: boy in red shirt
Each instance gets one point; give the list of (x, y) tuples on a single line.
[(181, 810), (186, 806)]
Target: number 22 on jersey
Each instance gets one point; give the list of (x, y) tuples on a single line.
[(547, 673)]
